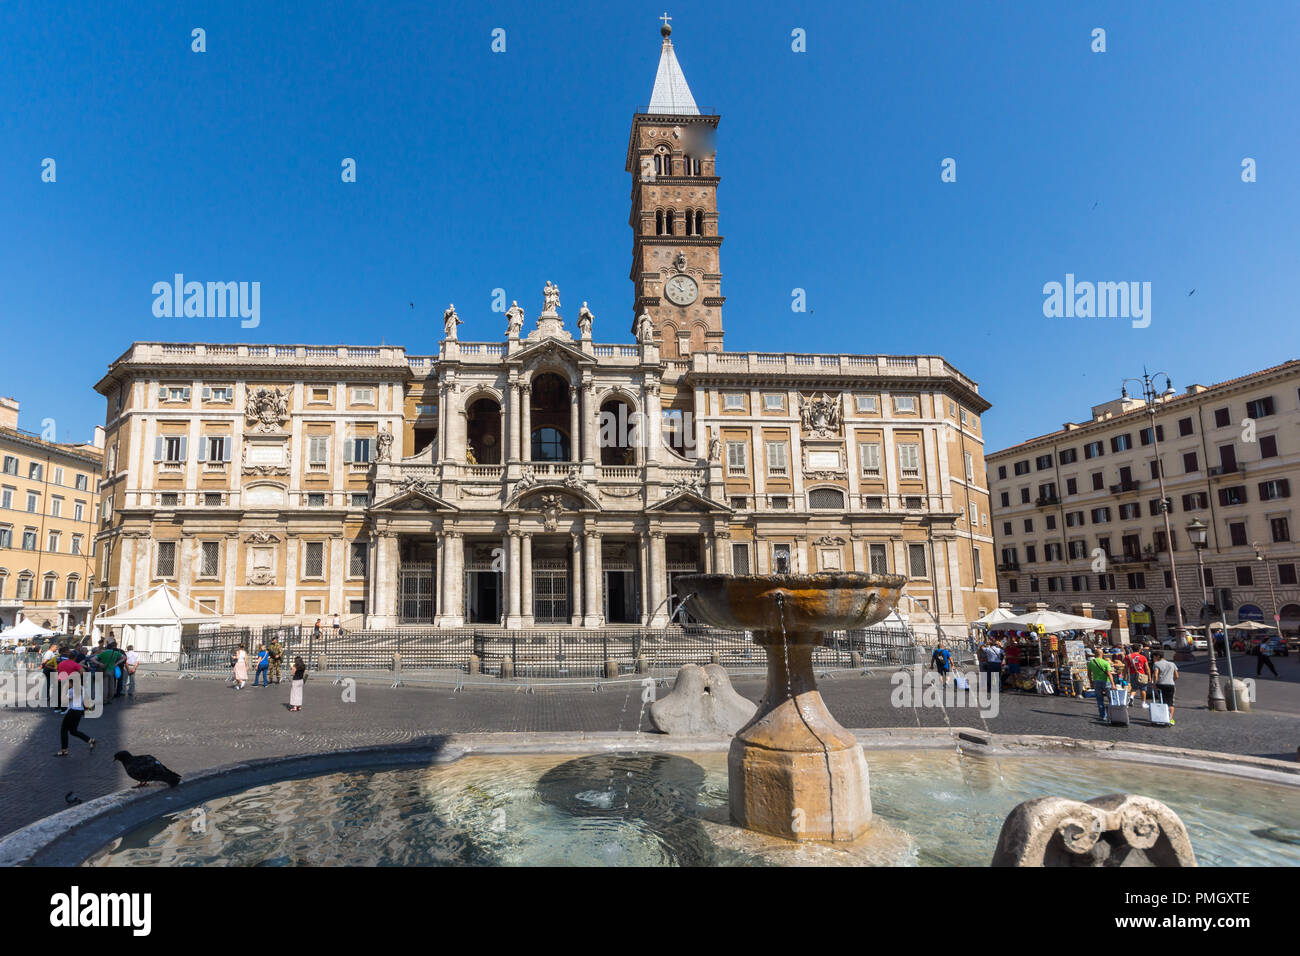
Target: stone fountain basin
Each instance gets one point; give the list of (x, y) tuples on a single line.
[(809, 603)]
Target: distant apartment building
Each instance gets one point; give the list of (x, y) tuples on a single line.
[(48, 500), (1078, 519)]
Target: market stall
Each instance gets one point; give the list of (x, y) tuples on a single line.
[(1052, 649)]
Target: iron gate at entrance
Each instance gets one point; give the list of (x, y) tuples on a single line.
[(550, 591), (416, 592)]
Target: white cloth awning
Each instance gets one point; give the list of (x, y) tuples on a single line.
[(24, 629), (996, 616), (1052, 621), (160, 606)]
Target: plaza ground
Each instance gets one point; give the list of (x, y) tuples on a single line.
[(197, 724)]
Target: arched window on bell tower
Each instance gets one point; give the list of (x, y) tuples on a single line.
[(668, 223), (659, 222), (690, 223), (699, 222)]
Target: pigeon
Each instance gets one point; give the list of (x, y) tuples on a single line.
[(71, 798), (146, 768)]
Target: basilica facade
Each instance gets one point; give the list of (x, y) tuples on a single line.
[(545, 479)]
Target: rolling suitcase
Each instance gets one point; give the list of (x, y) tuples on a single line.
[(1117, 708), (1159, 714)]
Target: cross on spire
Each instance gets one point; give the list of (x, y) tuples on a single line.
[(665, 18)]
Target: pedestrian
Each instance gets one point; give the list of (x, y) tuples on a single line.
[(295, 685), (1264, 656), (315, 631), (1099, 675), (941, 661), (76, 696), (49, 664), (338, 628), (1013, 661), (1140, 670), (1165, 672), (263, 666), (110, 660), (128, 672), (276, 653), (992, 664), (241, 667)]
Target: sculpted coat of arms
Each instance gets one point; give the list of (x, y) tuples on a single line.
[(820, 414), (267, 409)]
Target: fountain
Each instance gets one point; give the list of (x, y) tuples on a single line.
[(793, 771)]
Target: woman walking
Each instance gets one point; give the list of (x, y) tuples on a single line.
[(241, 668), (295, 686), (76, 707)]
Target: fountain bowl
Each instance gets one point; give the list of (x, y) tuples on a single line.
[(796, 604)]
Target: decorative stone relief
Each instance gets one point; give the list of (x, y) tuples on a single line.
[(820, 415), (420, 486), (384, 445), (266, 409), (827, 540), (261, 537), (1120, 829), (686, 484)]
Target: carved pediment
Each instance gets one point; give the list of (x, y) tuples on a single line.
[(689, 501)]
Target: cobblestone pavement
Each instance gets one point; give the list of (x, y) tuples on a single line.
[(192, 725)]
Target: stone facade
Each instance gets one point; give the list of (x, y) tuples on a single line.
[(544, 479)]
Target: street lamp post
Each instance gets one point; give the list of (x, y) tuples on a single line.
[(1268, 572), (1149, 395), (1197, 532)]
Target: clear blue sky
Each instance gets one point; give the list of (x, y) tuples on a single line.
[(479, 170)]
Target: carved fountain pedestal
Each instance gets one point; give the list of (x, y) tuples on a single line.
[(793, 771)]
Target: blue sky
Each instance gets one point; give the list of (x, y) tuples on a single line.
[(479, 170)]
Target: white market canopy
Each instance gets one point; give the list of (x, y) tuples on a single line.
[(26, 629), (996, 616), (1052, 621), (154, 625)]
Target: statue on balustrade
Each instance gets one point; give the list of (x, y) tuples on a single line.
[(449, 322)]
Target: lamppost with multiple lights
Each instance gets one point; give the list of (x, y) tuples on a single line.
[(1198, 534), (1149, 395)]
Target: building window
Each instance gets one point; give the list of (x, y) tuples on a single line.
[(879, 557), (52, 542), (970, 466), (1274, 490), (363, 396), (1043, 462), (1237, 534), (361, 451), (826, 499), (1280, 528), (739, 502), (33, 502), (168, 499), (1184, 427), (736, 458), (318, 449), (215, 448), (905, 404), (1098, 480), (361, 501), (11, 465), (864, 403), (1029, 525), (777, 458), (29, 539), (70, 591), (170, 448), (313, 560), (212, 499), (222, 394), (733, 401), (35, 471), (1260, 408), (909, 460), (781, 558), (1222, 418), (869, 455), (1094, 449), (780, 503), (773, 402), (166, 560), (320, 395), (1234, 495), (76, 544), (209, 557), (1190, 462), (1002, 472), (56, 507), (550, 444), (1245, 577), (316, 499), (357, 554), (916, 560), (1022, 468), (740, 559), (1268, 446)]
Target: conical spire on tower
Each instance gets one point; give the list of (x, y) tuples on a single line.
[(671, 94)]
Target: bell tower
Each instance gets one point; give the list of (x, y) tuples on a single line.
[(676, 266)]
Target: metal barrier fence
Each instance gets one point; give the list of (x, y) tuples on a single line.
[(528, 653)]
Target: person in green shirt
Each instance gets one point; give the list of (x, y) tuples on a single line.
[(1099, 674), (110, 658)]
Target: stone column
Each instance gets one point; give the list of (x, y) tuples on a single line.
[(658, 561), (721, 541), (516, 409), (441, 570), (706, 551), (652, 422), (453, 584), (513, 584), (591, 574), (589, 417), (575, 596), (526, 582), (526, 439), (388, 599), (575, 431)]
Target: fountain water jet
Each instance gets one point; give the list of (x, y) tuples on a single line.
[(793, 771)]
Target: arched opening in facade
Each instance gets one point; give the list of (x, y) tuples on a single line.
[(483, 431), (549, 419), (620, 433), (679, 425)]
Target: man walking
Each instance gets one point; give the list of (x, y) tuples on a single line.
[(941, 661), (110, 659), (1139, 669), (1265, 656), (129, 665), (1099, 675), (1166, 672), (263, 665), (992, 664)]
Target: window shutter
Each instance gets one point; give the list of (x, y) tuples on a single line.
[(158, 448), (186, 393), (227, 448), (203, 448), (184, 442), (347, 450), (162, 393), (207, 393)]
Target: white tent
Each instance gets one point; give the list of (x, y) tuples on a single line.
[(995, 616), (153, 627), (25, 630), (1053, 622)]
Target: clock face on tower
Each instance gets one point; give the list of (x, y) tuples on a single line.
[(681, 290)]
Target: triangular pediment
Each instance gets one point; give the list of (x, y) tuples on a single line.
[(413, 499), (688, 501), (548, 347)]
